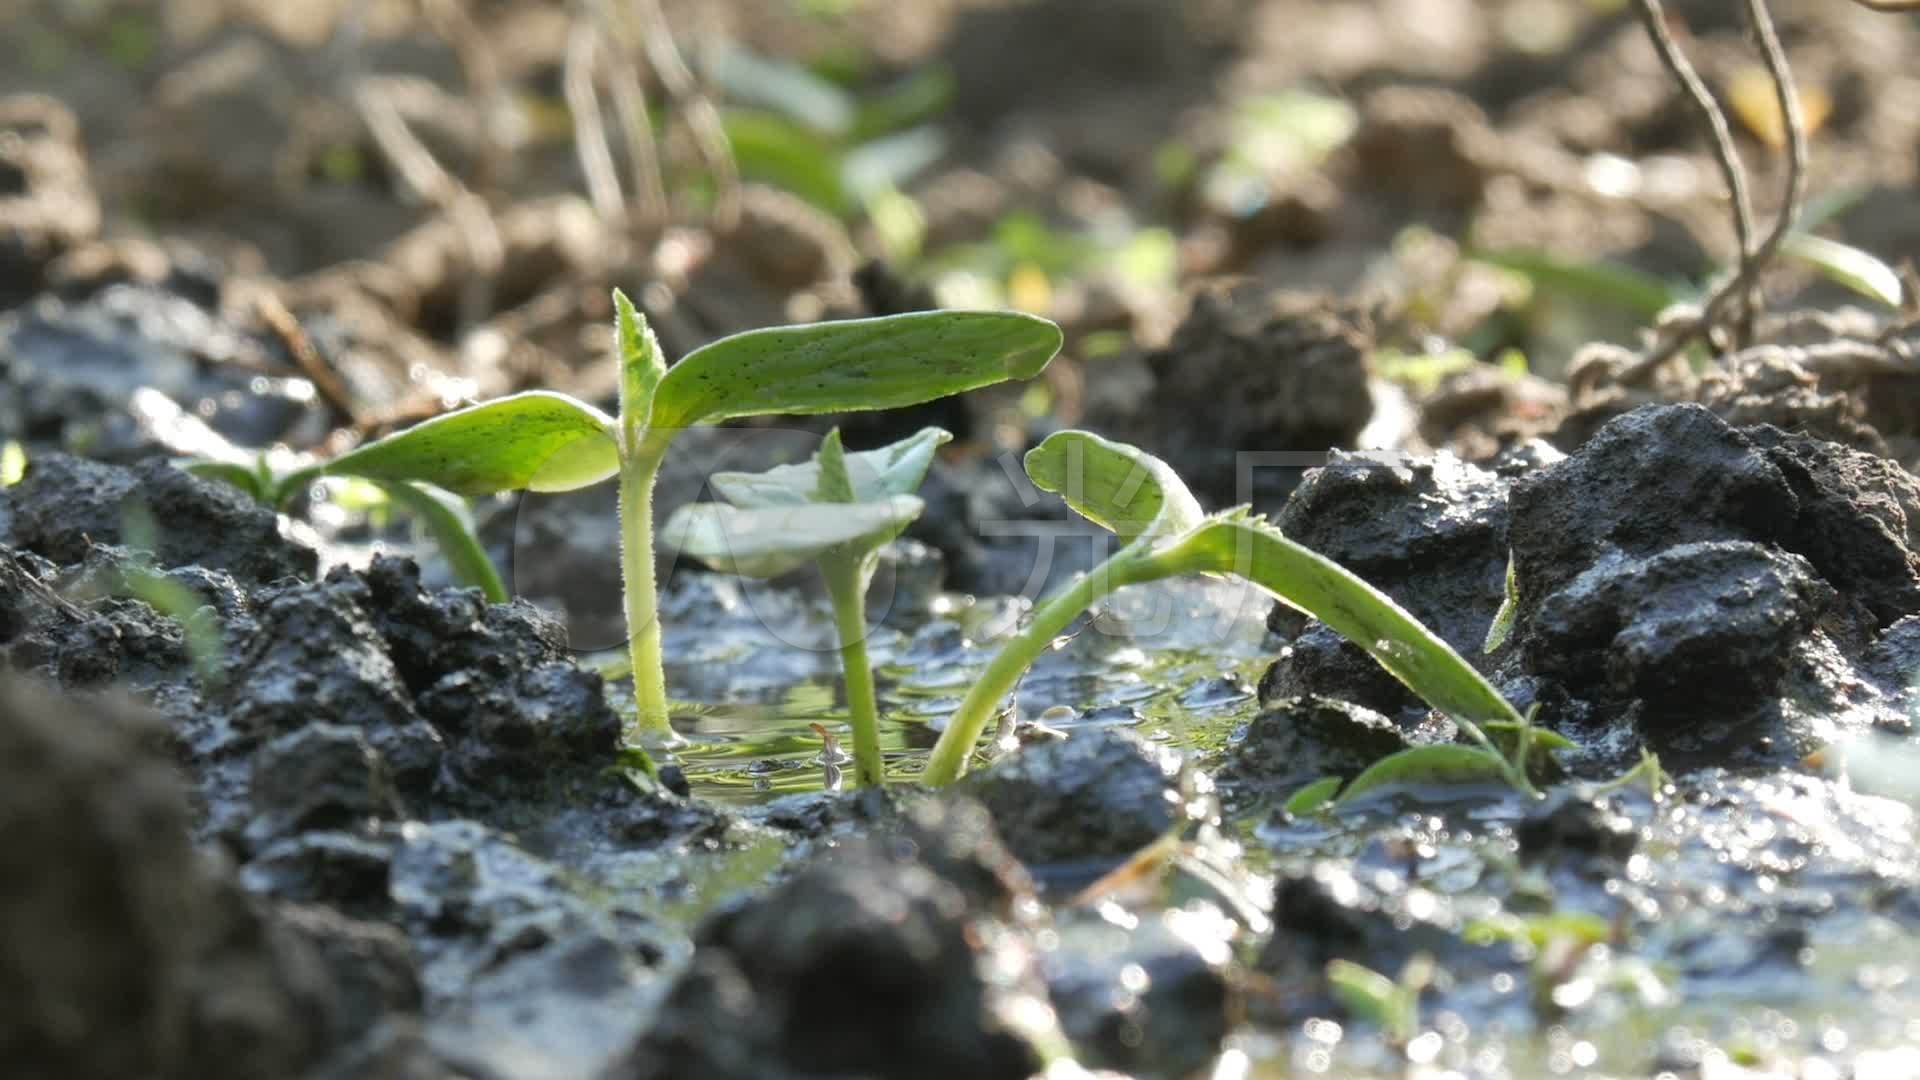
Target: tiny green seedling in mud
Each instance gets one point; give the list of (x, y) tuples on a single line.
[(547, 442), (836, 511), (444, 514), (1138, 497)]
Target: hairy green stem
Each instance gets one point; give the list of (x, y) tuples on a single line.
[(847, 587), (950, 754), (639, 467)]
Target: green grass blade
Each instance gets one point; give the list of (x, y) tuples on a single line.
[(1439, 765), (1253, 549), (1593, 281), (1116, 486), (770, 541), (1861, 271), (537, 441), (852, 365), (447, 518)]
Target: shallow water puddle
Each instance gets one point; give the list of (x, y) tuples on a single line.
[(1161, 658)]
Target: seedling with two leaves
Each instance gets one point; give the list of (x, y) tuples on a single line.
[(1139, 498), (547, 442), (836, 511)]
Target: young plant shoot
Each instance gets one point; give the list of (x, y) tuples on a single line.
[(547, 442), (1139, 498), (836, 511)]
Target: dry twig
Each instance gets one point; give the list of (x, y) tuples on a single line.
[(1744, 282), (702, 118)]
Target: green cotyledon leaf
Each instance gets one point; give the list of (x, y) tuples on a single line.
[(1116, 486), (891, 470), (852, 365), (1247, 547), (534, 441), (769, 541)]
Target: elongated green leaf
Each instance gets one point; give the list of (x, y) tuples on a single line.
[(876, 474), (1861, 271), (770, 541), (1312, 797), (1114, 485), (852, 365), (536, 441), (447, 518), (1234, 543), (1439, 765), (1505, 734), (776, 151), (1593, 281)]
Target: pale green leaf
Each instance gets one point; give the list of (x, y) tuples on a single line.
[(891, 470), (769, 541), (536, 441), (1233, 543), (1438, 765), (1861, 271), (1114, 485), (852, 365)]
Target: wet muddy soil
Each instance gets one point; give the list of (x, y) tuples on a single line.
[(281, 801)]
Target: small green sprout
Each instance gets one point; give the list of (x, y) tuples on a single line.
[(1391, 1004), (547, 442), (836, 511), (1139, 497)]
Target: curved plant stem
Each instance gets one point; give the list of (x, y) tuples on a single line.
[(848, 592), (638, 470), (950, 754)]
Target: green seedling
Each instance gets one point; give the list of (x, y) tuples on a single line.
[(836, 511), (444, 514), (1139, 498), (1391, 1004), (547, 442)]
